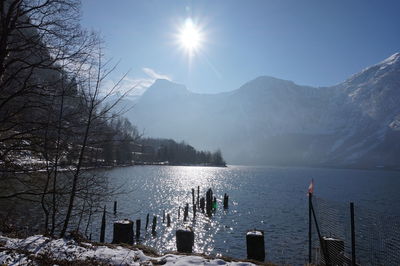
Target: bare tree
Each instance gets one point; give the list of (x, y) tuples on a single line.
[(51, 75)]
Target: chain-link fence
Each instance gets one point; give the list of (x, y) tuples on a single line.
[(375, 241)]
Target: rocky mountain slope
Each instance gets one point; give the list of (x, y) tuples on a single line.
[(272, 121)]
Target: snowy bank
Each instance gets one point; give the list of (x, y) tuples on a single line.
[(40, 250)]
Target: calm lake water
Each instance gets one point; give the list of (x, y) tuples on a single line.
[(272, 199)]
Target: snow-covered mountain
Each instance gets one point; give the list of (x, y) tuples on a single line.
[(274, 121)]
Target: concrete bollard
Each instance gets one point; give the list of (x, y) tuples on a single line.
[(185, 240), (335, 250), (255, 245), (123, 232), (138, 224)]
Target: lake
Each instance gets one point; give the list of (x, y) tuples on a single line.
[(272, 199)]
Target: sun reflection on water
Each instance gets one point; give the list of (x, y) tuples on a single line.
[(155, 189)]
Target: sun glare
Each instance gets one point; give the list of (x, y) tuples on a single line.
[(190, 37)]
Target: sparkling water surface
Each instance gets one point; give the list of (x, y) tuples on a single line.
[(272, 199)]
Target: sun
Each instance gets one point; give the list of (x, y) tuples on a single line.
[(190, 37)]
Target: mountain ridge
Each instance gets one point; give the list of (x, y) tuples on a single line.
[(273, 121)]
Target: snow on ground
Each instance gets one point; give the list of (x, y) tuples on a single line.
[(15, 251)]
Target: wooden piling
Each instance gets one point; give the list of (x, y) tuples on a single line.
[(194, 211), (226, 201), (147, 220), (103, 226), (202, 203), (185, 240), (198, 195), (163, 216), (209, 199), (186, 212), (179, 212), (153, 227), (138, 224), (123, 232), (192, 196), (115, 207), (168, 220)]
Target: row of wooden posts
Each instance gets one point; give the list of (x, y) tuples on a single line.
[(123, 229), (207, 205)]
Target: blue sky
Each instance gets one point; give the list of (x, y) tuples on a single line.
[(318, 43)]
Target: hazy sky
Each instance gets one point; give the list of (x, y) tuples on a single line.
[(317, 43)]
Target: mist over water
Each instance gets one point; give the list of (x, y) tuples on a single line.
[(272, 199)]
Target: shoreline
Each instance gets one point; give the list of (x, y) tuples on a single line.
[(41, 250)]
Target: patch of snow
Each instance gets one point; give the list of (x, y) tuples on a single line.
[(391, 59), (186, 229), (254, 233), (125, 221), (24, 251)]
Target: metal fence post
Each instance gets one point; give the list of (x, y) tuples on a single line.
[(309, 227), (321, 240), (353, 236)]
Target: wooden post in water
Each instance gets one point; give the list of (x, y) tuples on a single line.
[(226, 201), (202, 203), (186, 212), (198, 195), (103, 226), (138, 224), (192, 196), (194, 211), (147, 220), (163, 216), (153, 227), (123, 232), (209, 199), (179, 212), (168, 220), (115, 207)]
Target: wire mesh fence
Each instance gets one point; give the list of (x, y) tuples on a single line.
[(376, 239)]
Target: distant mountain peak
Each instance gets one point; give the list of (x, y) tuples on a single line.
[(266, 82), (165, 88)]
